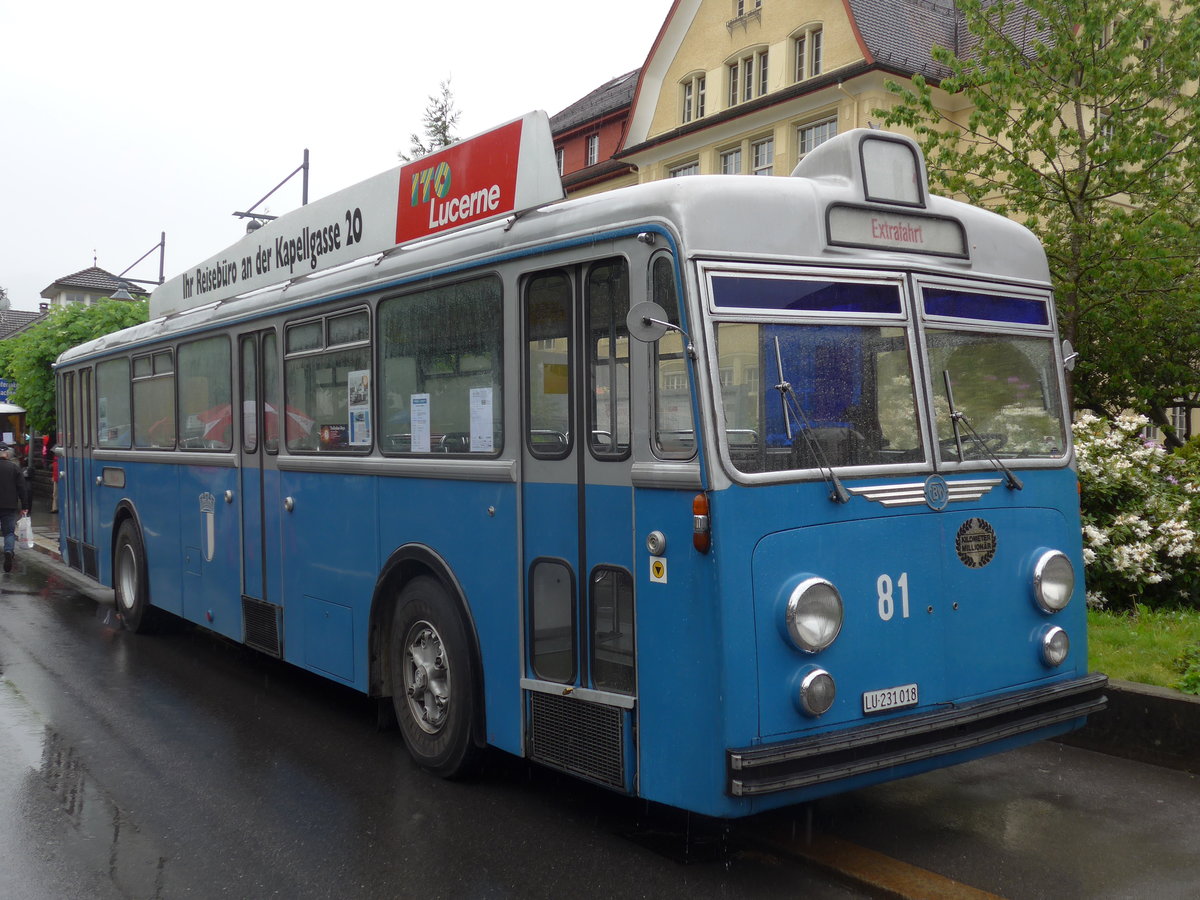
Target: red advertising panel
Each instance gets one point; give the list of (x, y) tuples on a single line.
[(463, 184)]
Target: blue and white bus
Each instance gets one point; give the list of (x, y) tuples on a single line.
[(723, 492)]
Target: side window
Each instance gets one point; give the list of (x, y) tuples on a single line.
[(674, 432), (154, 401), (249, 398), (612, 630), (608, 359), (548, 364), (440, 369), (113, 416), (66, 415), (294, 423), (205, 395), (327, 381), (552, 621)]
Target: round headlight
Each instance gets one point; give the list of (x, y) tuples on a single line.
[(814, 614), (1053, 581), (1055, 646), (816, 693)]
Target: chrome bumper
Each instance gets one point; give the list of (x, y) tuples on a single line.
[(837, 755)]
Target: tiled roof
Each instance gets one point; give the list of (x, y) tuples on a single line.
[(12, 320), (609, 97), (93, 279), (900, 35)]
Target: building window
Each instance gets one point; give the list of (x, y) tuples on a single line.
[(688, 168), (1179, 421), (813, 134), (808, 46), (558, 159), (731, 162), (693, 98), (741, 7), (762, 155), (593, 149), (748, 77)]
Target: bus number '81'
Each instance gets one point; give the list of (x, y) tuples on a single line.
[(885, 590)]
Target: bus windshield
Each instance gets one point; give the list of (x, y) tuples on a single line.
[(851, 387), (804, 395), (1006, 387)]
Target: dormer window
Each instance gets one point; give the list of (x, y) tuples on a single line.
[(807, 48), (693, 98), (748, 77)]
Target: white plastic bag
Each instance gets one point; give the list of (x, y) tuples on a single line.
[(24, 533)]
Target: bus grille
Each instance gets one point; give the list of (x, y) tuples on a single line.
[(260, 622), (586, 739)]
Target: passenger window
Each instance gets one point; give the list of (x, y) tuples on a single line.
[(327, 378), (154, 402), (113, 411), (674, 432), (441, 369), (608, 351), (548, 364), (612, 630), (205, 401)]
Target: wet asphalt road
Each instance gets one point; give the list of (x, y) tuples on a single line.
[(180, 765)]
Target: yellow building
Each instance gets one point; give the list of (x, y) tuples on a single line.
[(750, 86)]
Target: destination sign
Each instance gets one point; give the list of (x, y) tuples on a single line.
[(506, 170), (885, 229)]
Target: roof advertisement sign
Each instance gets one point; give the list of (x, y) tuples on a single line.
[(503, 171)]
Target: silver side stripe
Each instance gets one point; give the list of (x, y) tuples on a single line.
[(913, 494)]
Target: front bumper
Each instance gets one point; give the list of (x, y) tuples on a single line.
[(837, 755)]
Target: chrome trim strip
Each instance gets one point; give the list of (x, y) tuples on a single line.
[(501, 470), (565, 690), (661, 474), (913, 493), (221, 459)]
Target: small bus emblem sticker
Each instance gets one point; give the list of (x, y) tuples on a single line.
[(208, 535), (975, 543), (937, 492)]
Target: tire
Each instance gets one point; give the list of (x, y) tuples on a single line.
[(129, 581), (433, 670)]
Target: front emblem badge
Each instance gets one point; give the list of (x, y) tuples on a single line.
[(975, 543), (937, 493)]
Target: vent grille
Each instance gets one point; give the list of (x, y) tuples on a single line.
[(260, 622), (586, 739)]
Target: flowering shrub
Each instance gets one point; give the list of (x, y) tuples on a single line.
[(1141, 517)]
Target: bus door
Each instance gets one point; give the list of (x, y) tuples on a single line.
[(261, 421), (75, 466), (577, 516)]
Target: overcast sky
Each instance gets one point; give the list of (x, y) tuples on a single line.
[(125, 119)]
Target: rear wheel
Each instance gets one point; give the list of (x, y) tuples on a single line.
[(129, 580), (433, 680)]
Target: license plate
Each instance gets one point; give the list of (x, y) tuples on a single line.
[(889, 698)]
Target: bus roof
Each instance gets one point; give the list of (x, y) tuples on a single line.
[(837, 211)]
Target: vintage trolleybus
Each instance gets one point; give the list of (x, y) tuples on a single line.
[(725, 492)]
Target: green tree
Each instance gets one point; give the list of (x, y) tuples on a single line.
[(1079, 118), (440, 119), (28, 358)]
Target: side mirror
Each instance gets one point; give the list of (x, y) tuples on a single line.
[(1070, 356), (647, 322)]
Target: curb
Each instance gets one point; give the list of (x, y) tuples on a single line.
[(1146, 724)]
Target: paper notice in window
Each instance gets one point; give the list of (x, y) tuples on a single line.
[(482, 426), (419, 422)]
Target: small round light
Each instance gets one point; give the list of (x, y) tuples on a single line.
[(817, 692), (1053, 581), (814, 614), (1055, 646)]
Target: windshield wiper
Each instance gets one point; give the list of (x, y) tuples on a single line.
[(1013, 482), (837, 493)]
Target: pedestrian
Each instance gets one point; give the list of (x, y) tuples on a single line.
[(14, 501)]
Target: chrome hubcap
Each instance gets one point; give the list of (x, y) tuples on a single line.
[(426, 677), (127, 576)]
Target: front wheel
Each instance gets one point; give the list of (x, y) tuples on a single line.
[(129, 580), (433, 680)]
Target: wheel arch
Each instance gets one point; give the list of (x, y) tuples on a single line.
[(406, 563)]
